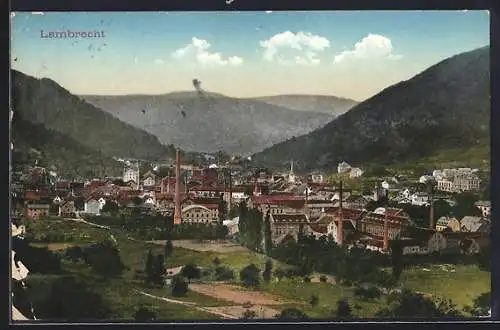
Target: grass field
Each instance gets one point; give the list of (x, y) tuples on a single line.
[(461, 285)]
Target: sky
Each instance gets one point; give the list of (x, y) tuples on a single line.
[(351, 54)]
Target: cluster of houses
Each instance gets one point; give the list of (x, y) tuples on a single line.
[(352, 225), (457, 180), (294, 204)]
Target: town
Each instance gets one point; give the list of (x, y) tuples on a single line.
[(250, 166), (432, 214)]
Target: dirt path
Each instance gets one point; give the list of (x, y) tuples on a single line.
[(236, 294), (187, 303)]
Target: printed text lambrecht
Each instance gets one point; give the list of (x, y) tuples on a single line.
[(71, 34)]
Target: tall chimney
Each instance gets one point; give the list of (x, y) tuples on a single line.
[(177, 212), (386, 232), (340, 226), (230, 190), (431, 211)]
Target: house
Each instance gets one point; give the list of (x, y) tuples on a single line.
[(67, 208), (373, 223), (446, 222), (208, 213), (283, 225), (356, 202), (347, 226), (36, 211), (131, 174), (484, 207), (315, 178), (62, 186), (282, 204), (474, 224), (149, 179), (355, 172), (92, 206), (343, 167)]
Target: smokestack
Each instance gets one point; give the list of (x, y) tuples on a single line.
[(431, 212), (177, 212), (386, 231), (230, 190), (340, 226)]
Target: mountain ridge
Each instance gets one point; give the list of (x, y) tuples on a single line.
[(386, 127), (44, 101), (241, 126)]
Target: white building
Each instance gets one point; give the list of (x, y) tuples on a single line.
[(355, 172), (131, 174), (343, 167)]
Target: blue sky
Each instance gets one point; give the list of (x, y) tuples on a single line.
[(242, 54)]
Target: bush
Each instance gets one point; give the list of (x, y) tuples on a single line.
[(307, 279), (191, 271), (323, 279), (367, 293), (224, 273), (279, 273), (292, 314), (250, 275), (144, 315)]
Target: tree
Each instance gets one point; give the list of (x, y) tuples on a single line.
[(169, 248), (314, 300), (104, 258), (267, 274), (292, 314), (149, 269), (110, 207), (191, 271), (481, 305), (465, 205), (222, 210), (344, 310), (72, 300), (396, 249), (250, 275), (268, 242), (408, 304), (137, 201), (179, 286), (144, 315), (74, 253), (159, 270)]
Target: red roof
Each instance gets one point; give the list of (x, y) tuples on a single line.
[(32, 196), (319, 228), (347, 213), (375, 217), (290, 218), (63, 184)]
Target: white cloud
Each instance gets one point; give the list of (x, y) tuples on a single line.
[(37, 13), (371, 46), (198, 48), (157, 61), (136, 60), (306, 43)]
